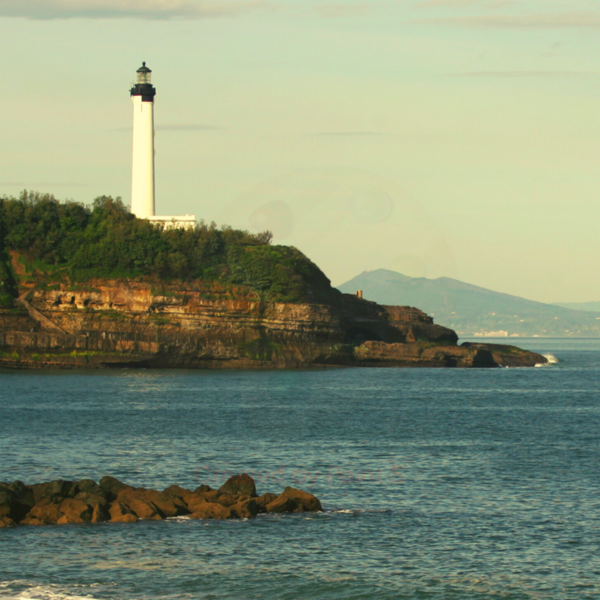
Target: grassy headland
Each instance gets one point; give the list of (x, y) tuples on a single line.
[(68, 241)]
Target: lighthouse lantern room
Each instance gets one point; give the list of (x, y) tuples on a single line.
[(144, 75)]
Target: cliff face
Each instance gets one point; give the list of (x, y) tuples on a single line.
[(128, 323)]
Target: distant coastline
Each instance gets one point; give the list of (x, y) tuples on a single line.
[(474, 311)]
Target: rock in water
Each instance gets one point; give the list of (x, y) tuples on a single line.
[(210, 510), (13, 506), (308, 502), (509, 356), (67, 502), (112, 486), (239, 485)]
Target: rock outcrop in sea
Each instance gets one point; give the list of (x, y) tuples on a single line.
[(85, 501)]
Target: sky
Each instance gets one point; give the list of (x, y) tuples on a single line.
[(456, 138)]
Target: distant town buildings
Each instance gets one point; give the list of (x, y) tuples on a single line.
[(500, 333)]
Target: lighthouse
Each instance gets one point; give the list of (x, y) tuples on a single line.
[(142, 172)]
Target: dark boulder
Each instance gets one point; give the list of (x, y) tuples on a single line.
[(509, 356), (210, 510), (43, 513), (12, 505), (180, 494), (227, 500), (100, 514), (89, 486), (307, 501), (239, 485), (264, 500), (55, 490), (112, 486), (92, 499), (169, 505), (24, 491), (139, 502), (74, 511), (245, 509), (282, 504), (120, 513)]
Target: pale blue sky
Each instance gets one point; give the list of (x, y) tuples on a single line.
[(441, 137)]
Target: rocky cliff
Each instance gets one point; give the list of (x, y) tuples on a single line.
[(118, 323)]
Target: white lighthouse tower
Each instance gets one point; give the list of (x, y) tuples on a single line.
[(142, 173)]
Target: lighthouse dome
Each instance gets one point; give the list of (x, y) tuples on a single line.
[(143, 84), (144, 74)]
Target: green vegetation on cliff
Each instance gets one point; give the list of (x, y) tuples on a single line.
[(107, 241), (8, 287)]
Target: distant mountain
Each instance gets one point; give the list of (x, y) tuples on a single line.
[(471, 310), (588, 306)]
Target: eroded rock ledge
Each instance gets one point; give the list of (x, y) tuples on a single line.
[(85, 501), (122, 323)]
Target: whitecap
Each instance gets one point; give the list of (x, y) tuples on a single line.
[(38, 592), (355, 511), (552, 360)]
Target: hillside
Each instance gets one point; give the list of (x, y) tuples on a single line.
[(472, 310), (67, 242), (587, 306)]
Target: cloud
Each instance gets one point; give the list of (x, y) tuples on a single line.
[(488, 4), (574, 19), (142, 9), (348, 133), (525, 74), (335, 11), (188, 127), (176, 127), (41, 184), (447, 3)]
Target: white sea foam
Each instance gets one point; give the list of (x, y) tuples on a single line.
[(355, 511), (23, 590), (552, 360), (179, 519)]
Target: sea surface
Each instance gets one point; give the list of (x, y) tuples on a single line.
[(437, 484)]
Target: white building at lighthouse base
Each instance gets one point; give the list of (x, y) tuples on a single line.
[(176, 222)]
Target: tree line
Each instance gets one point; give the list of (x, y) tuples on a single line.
[(105, 240)]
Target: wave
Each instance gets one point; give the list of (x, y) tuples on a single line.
[(354, 511), (23, 590), (552, 360)]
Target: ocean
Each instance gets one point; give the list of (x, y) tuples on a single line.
[(436, 483)]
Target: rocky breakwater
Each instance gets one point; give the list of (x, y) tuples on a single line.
[(85, 501), (122, 323)]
